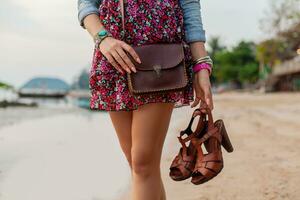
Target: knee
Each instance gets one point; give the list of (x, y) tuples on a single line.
[(143, 164)]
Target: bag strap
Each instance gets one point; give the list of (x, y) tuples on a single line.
[(122, 12)]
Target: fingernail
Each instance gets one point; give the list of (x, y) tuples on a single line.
[(138, 59)]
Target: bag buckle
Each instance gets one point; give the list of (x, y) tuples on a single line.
[(157, 69)]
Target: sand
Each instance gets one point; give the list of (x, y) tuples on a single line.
[(265, 165), (76, 156)]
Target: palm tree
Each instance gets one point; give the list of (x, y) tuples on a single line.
[(215, 46)]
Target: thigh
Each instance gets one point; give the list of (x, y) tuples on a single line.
[(149, 127), (121, 121)]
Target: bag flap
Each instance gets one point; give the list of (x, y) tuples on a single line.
[(164, 55)]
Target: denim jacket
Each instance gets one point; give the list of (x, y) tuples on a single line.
[(192, 19)]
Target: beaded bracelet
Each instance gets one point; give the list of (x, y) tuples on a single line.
[(97, 42), (201, 66), (203, 59)]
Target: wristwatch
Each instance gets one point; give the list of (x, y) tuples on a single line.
[(100, 36)]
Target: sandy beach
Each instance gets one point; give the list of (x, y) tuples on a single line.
[(75, 155), (265, 165)]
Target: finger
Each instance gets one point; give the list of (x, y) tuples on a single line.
[(131, 51), (196, 102), (203, 106), (120, 61), (125, 58), (211, 102), (208, 98), (113, 63), (198, 94)]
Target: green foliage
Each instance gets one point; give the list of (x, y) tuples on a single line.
[(236, 65), (4, 85), (215, 46), (249, 73), (270, 51), (247, 62), (226, 73)]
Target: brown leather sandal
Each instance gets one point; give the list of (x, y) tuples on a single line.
[(183, 164), (210, 165)]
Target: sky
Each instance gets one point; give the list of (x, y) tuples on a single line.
[(44, 38)]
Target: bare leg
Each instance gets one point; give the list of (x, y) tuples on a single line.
[(149, 127), (122, 123), (163, 192)]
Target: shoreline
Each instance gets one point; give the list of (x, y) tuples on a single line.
[(14, 115)]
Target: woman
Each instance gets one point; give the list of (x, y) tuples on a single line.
[(141, 122)]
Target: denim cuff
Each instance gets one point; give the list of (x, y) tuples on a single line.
[(194, 35), (192, 20), (85, 12)]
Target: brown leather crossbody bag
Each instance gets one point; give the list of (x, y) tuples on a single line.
[(162, 67)]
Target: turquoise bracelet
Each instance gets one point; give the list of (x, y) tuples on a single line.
[(100, 36)]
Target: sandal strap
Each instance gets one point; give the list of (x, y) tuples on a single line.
[(182, 169), (213, 157), (204, 106), (194, 133), (184, 147), (195, 113), (182, 158), (215, 166), (184, 166), (206, 136), (211, 164), (188, 138), (204, 172)]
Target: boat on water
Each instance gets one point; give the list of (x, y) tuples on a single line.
[(9, 97)]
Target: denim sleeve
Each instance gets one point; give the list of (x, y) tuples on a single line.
[(87, 7), (192, 20)]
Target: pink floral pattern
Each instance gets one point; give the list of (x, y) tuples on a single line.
[(146, 22)]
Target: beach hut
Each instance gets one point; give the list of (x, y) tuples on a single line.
[(285, 76)]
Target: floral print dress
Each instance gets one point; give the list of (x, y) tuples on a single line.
[(146, 22)]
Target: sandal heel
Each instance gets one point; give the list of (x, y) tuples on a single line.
[(226, 143)]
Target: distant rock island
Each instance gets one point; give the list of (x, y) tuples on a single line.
[(44, 87)]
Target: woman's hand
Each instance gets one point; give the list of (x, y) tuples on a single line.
[(111, 48), (201, 81), (114, 51), (202, 88)]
